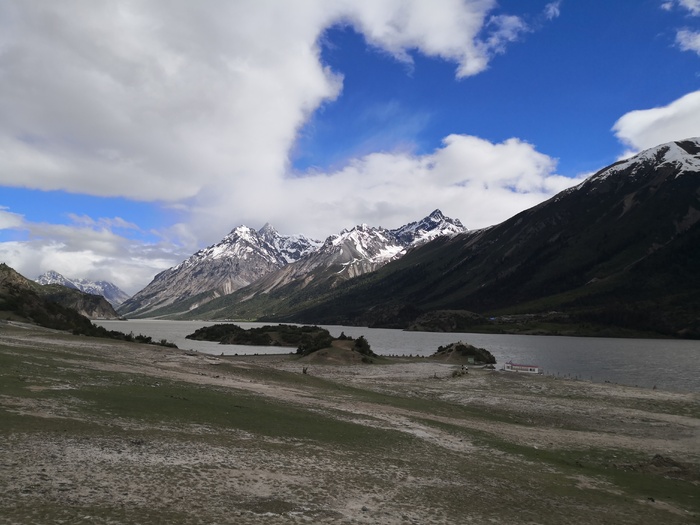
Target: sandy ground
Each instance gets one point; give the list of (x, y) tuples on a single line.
[(456, 466)]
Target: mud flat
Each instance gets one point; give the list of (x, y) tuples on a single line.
[(95, 431)]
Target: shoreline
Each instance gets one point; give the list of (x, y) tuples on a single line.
[(270, 359), (664, 363)]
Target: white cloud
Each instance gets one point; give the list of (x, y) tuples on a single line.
[(552, 10), (479, 182), (691, 5), (86, 248), (162, 101), (175, 97), (647, 128), (198, 105), (10, 220), (455, 30), (688, 40)]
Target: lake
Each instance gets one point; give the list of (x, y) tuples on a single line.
[(668, 364)]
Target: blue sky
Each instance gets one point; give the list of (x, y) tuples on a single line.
[(134, 133), (560, 87)]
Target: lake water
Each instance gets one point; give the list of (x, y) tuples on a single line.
[(668, 364)]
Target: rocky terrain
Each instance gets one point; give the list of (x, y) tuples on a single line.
[(50, 305)]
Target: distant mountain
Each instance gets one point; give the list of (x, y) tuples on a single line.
[(240, 258), (621, 249), (341, 257), (52, 306), (108, 290)]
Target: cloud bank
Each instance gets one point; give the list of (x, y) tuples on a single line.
[(197, 106), (86, 248), (158, 101), (647, 128), (197, 103)]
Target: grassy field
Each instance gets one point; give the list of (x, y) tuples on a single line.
[(95, 431)]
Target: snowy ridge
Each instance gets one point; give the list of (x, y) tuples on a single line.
[(361, 243), (244, 243), (106, 289), (433, 226), (364, 248), (379, 245), (291, 247), (683, 155)]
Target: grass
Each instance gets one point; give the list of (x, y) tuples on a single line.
[(103, 396), (88, 443), (616, 474)]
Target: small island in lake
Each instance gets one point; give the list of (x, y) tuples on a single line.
[(463, 352), (306, 339)]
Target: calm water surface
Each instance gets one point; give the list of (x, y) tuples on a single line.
[(665, 363)]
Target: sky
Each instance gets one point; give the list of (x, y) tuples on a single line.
[(133, 133)]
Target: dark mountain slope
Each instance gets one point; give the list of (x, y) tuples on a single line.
[(20, 301), (90, 305), (624, 242)]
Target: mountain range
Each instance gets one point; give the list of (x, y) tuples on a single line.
[(616, 255), (106, 289), (621, 249), (265, 258)]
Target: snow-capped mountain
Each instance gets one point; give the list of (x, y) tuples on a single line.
[(363, 249), (292, 247), (240, 258), (681, 156), (245, 256), (433, 226), (106, 289), (351, 253)]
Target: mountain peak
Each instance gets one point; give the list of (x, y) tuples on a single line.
[(53, 277), (268, 229), (434, 225), (682, 155), (241, 231)]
